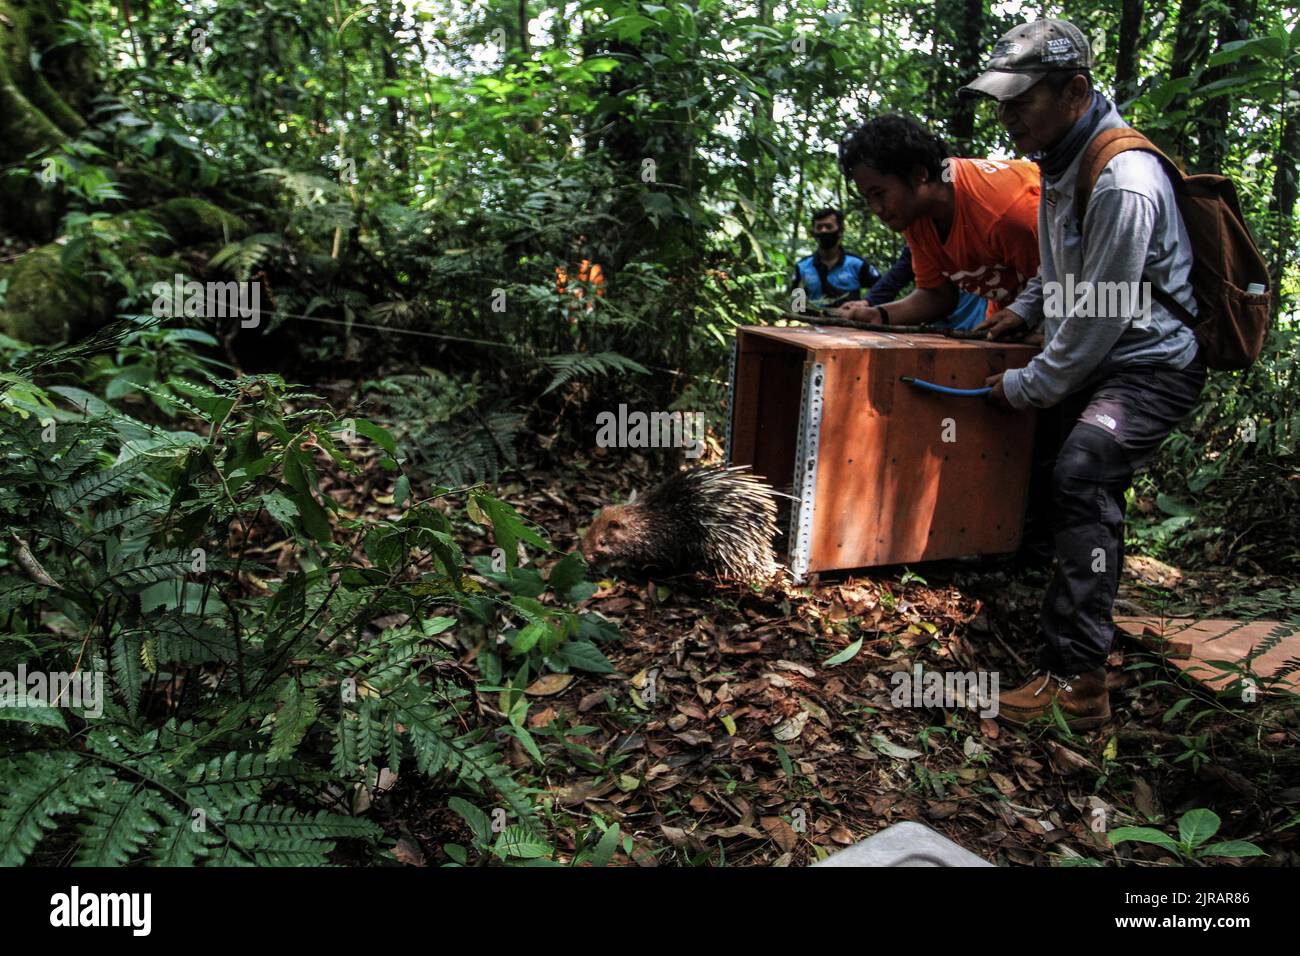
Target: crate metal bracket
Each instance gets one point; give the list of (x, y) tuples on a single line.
[(805, 469), (731, 397)]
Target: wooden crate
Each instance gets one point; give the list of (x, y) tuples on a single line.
[(883, 472)]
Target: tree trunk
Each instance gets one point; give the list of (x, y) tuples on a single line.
[(1212, 115), (970, 52), (1191, 47), (36, 115), (1282, 205), (1126, 57)]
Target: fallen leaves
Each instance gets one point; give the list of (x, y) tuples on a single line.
[(735, 714)]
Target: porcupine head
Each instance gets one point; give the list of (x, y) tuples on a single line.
[(620, 536)]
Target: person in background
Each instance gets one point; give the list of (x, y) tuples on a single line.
[(970, 311), (588, 281), (971, 224), (830, 275)]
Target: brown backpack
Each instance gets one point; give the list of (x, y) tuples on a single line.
[(1230, 322)]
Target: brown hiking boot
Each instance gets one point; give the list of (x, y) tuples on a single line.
[(1082, 698)]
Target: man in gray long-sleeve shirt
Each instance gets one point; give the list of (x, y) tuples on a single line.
[(1117, 371)]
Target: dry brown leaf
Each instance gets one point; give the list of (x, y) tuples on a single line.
[(841, 835), (548, 685), (675, 836), (782, 833), (726, 833), (1003, 784), (542, 718), (1067, 761), (408, 851), (792, 727)]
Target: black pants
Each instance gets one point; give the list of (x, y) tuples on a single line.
[(1087, 450)]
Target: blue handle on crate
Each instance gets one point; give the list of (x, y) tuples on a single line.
[(946, 390)]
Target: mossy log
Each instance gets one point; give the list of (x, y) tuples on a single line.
[(45, 303)]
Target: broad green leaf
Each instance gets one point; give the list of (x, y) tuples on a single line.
[(585, 656), (508, 528), (1142, 835), (1197, 826), (1233, 848), (847, 654)]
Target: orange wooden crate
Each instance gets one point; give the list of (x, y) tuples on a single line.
[(822, 412)]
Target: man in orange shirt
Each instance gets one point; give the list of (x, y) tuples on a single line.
[(972, 224)]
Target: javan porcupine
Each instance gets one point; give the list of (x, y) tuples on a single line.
[(713, 519)]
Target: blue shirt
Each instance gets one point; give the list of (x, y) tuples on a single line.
[(845, 279), (970, 310)]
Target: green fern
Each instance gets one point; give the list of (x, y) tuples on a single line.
[(42, 786), (441, 747), (298, 711), (140, 570), (128, 675), (455, 434), (119, 825), (280, 836), (240, 258), (583, 365), (221, 735), (97, 485)]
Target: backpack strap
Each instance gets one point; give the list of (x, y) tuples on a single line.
[(1174, 306), (1104, 147)]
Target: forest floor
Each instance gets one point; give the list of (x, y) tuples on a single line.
[(726, 736)]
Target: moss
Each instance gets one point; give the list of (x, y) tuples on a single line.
[(192, 221), (133, 233), (24, 128), (29, 106), (46, 303), (41, 297)]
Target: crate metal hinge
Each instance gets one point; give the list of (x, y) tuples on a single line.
[(805, 469), (731, 397)]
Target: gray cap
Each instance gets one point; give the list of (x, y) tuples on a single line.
[(1027, 54)]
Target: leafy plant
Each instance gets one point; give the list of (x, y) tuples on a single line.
[(236, 719), (1194, 828)]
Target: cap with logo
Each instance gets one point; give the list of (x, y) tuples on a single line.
[(1027, 54)]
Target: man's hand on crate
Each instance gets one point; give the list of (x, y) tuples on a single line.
[(998, 396), (1002, 324), (860, 311)]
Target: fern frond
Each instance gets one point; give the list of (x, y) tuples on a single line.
[(143, 570), (97, 485), (587, 365), (183, 840), (281, 836), (80, 455), (21, 595), (116, 518), (118, 826), (42, 786), (439, 748), (298, 710), (239, 258), (127, 676)]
